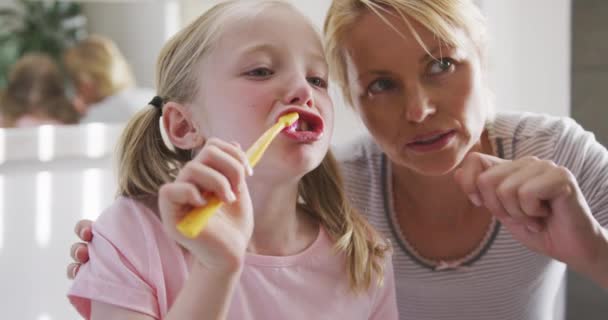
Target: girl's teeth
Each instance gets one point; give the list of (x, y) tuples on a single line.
[(302, 126), (305, 126)]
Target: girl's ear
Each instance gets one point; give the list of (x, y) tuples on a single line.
[(180, 128)]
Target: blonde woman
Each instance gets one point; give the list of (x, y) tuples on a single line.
[(104, 85), (35, 94), (287, 245), (485, 210)]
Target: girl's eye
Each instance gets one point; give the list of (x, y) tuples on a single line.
[(260, 73), (318, 82), (381, 85), (440, 66)]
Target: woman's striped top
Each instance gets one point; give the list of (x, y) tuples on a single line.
[(503, 280)]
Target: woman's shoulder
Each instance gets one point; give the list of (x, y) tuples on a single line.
[(518, 134), (526, 125)]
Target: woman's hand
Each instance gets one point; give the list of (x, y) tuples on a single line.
[(541, 205), (79, 250), (219, 169)]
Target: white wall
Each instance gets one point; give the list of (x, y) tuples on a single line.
[(50, 177), (530, 54), (139, 28)]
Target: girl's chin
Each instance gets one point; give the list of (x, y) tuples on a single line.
[(288, 168)]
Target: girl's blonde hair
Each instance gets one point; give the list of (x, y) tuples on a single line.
[(146, 162), (36, 87), (444, 18), (98, 60)]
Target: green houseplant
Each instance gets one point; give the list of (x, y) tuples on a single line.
[(37, 26)]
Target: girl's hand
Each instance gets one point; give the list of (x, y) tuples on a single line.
[(540, 204), (218, 169)]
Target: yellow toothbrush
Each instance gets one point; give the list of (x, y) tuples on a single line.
[(192, 224)]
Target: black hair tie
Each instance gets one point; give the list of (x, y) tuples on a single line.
[(157, 102)]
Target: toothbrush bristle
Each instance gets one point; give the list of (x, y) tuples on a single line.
[(289, 118)]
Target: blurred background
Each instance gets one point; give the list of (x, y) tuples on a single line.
[(87, 59)]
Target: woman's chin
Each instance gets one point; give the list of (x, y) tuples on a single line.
[(434, 171), (435, 167)]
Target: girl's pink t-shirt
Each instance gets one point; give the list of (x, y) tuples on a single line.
[(135, 265)]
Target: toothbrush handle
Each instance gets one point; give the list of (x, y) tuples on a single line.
[(194, 222)]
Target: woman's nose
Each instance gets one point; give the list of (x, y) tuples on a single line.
[(418, 106)]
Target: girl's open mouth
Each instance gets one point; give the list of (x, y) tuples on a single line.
[(308, 128)]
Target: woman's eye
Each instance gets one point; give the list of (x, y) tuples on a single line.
[(318, 82), (381, 85), (440, 66), (260, 72)]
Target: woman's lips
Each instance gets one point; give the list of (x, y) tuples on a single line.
[(431, 142)]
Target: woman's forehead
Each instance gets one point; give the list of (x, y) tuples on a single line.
[(383, 34), (391, 31)]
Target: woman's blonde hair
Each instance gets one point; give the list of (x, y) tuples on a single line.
[(146, 162), (36, 86), (98, 60), (444, 18)]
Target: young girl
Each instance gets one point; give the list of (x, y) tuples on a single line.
[(287, 245)]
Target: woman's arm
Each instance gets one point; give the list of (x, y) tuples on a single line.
[(557, 206), (599, 270), (542, 206)]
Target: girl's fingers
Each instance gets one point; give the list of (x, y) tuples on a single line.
[(174, 197), (233, 149), (207, 180), (226, 164)]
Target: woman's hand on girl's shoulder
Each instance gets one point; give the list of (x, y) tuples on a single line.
[(79, 250), (219, 169)]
